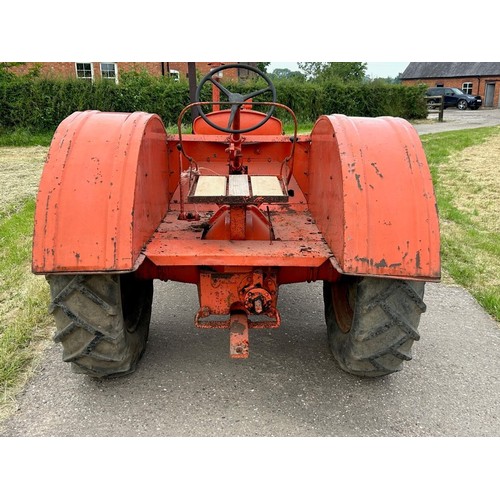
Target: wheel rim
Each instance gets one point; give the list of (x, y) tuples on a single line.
[(343, 304), (133, 303)]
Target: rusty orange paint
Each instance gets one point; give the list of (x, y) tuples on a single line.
[(372, 197), (238, 293), (256, 226), (163, 251), (362, 199), (241, 288), (248, 118), (238, 335), (102, 194), (357, 199)]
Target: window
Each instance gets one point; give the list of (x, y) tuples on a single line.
[(467, 87), (109, 72), (174, 74), (84, 70)]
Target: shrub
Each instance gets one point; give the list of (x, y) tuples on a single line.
[(40, 104)]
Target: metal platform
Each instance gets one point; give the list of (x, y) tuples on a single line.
[(298, 243)]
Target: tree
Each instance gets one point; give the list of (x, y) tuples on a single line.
[(263, 66), (288, 74), (327, 71)]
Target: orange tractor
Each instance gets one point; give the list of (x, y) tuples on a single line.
[(237, 208)]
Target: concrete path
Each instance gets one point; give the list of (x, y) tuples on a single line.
[(454, 119), (186, 385)]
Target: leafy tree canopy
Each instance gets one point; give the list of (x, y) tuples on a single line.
[(263, 66), (326, 71), (288, 74)]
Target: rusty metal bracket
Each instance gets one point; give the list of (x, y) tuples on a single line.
[(238, 335), (238, 325), (274, 322)]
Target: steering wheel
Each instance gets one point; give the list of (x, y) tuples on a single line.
[(237, 99)]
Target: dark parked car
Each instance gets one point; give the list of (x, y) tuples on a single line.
[(454, 98)]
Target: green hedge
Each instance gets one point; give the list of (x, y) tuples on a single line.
[(40, 104), (375, 100)]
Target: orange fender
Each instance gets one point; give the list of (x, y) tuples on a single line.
[(102, 193), (372, 197)]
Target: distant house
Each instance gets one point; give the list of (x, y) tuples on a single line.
[(112, 70), (478, 78)]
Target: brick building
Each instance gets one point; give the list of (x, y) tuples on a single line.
[(478, 78), (112, 70)]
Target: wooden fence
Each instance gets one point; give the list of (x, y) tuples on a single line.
[(435, 104)]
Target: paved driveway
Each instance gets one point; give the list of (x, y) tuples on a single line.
[(186, 385), (454, 119)]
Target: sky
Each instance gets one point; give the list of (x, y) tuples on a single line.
[(374, 69), (387, 30)]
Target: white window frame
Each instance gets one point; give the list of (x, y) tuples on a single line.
[(467, 88), (175, 75), (115, 78), (85, 77)]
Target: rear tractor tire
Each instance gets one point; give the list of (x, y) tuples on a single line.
[(102, 321), (372, 323)]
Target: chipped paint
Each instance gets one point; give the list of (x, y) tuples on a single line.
[(381, 264), (377, 171), (381, 208), (238, 336), (118, 197), (360, 187)]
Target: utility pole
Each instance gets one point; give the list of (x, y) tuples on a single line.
[(215, 89), (192, 88)]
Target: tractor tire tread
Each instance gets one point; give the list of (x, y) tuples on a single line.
[(91, 326), (384, 326)]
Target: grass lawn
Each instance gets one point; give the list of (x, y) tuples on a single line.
[(464, 167)]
